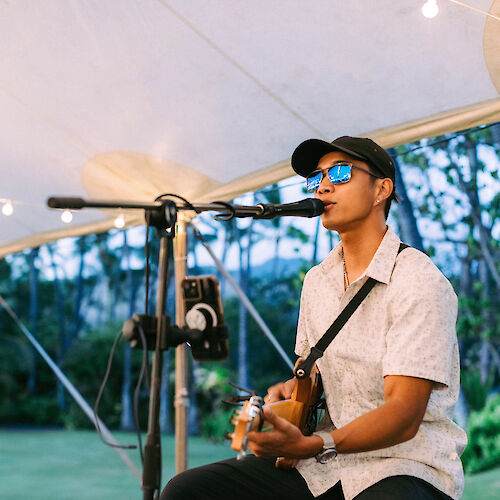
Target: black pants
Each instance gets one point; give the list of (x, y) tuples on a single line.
[(258, 479)]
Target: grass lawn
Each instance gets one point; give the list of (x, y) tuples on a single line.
[(63, 465)]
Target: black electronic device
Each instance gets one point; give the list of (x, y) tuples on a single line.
[(203, 312)]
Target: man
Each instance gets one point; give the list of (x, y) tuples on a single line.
[(391, 376)]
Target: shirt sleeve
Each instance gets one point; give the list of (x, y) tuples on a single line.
[(422, 335)]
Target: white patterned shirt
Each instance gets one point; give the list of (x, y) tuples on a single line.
[(405, 326)]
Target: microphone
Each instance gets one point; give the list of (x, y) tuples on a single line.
[(310, 207)]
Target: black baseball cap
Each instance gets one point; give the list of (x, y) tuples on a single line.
[(306, 156)]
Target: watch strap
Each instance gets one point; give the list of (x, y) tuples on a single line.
[(328, 441)]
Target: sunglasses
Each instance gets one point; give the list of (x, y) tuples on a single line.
[(339, 173)]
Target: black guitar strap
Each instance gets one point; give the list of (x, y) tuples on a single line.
[(303, 369)]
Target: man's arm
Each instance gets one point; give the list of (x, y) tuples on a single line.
[(396, 421)]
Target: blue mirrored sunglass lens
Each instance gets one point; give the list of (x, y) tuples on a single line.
[(313, 182), (339, 174)]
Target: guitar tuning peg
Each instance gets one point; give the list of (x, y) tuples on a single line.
[(234, 416), (228, 436)]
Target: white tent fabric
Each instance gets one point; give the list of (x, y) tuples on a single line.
[(128, 99)]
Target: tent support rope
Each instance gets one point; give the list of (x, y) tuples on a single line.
[(70, 388)]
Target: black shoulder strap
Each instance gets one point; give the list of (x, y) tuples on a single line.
[(304, 368)]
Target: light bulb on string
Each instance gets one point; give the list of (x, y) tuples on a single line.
[(8, 208), (430, 9), (66, 216), (120, 222)]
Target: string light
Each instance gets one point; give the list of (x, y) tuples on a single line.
[(66, 216), (430, 9), (120, 222), (8, 208)]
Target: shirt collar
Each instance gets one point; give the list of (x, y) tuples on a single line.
[(384, 260), (382, 264)]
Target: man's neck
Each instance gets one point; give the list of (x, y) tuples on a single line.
[(360, 245)]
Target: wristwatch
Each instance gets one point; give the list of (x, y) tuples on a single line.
[(329, 451)]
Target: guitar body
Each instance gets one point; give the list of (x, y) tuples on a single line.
[(306, 393)]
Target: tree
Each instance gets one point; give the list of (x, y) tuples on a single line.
[(406, 219), (455, 185)]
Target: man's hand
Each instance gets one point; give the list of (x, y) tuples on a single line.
[(280, 391), (283, 440)]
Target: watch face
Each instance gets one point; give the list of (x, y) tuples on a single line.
[(327, 456)]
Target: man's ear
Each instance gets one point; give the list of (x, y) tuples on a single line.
[(385, 189)]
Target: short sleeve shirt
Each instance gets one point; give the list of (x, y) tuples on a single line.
[(405, 326)]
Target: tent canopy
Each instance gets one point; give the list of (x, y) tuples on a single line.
[(126, 100)]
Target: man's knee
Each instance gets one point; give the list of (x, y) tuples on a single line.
[(178, 488)]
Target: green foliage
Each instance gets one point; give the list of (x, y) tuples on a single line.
[(215, 427), (36, 410), (212, 387), (278, 303), (476, 393), (483, 430), (85, 364), (296, 233)]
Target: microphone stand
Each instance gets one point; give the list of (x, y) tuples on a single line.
[(164, 221), (163, 216), (151, 475)]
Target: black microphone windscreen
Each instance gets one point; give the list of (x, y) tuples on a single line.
[(65, 202), (317, 205)]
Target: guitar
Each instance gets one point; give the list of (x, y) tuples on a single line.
[(296, 410)]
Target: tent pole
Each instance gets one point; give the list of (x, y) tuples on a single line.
[(181, 389)]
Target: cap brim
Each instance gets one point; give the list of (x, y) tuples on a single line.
[(306, 156)]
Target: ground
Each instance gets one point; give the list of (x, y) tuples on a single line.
[(64, 465)]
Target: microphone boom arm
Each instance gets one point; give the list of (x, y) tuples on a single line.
[(308, 207)]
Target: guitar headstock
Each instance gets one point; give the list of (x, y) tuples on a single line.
[(249, 418)]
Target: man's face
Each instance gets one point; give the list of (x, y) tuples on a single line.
[(350, 203)]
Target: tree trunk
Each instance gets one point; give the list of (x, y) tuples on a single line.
[(77, 318), (230, 230), (33, 309), (495, 133), (166, 426), (63, 340), (314, 259), (193, 425), (245, 260), (488, 324), (165, 419), (276, 259), (126, 417), (407, 220), (461, 413)]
